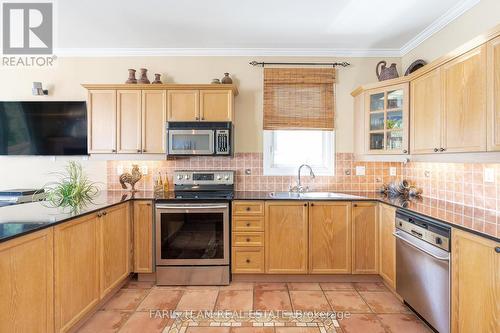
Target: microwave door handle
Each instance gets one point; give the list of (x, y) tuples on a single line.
[(211, 141)]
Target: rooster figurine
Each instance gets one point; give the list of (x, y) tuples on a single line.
[(131, 178)]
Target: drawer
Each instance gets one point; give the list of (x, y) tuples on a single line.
[(248, 208), (248, 239), (248, 223), (248, 260)]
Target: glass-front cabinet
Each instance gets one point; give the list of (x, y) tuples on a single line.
[(386, 114)]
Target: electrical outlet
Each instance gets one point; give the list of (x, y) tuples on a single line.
[(360, 171), (392, 171), (144, 169), (119, 169), (489, 175)]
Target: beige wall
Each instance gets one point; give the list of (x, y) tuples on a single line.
[(471, 24)]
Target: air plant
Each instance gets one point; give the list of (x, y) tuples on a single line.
[(73, 189)]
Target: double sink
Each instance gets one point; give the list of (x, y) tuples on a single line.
[(311, 195)]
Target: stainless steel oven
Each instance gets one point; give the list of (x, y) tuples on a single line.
[(199, 138), (192, 243)]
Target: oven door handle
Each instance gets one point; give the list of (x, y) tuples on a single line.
[(196, 206), (420, 249)]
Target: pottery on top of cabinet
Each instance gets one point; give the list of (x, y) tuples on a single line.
[(386, 73), (131, 76), (144, 76), (226, 79), (157, 79)]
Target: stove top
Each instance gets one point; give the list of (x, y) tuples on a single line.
[(204, 184)]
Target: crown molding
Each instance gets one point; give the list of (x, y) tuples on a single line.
[(236, 52), (445, 19)]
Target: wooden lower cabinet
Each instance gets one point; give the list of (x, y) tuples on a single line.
[(475, 282), (387, 247), (76, 270), (286, 241), (26, 283), (365, 238), (247, 260), (330, 237), (143, 236), (115, 247)]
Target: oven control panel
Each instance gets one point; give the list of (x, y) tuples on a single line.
[(188, 177)]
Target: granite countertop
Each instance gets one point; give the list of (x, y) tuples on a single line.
[(18, 220)]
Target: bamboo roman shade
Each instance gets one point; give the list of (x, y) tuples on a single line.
[(299, 98)]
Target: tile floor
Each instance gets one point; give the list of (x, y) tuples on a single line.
[(366, 307)]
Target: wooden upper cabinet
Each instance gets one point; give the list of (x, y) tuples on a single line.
[(143, 237), (286, 240), (154, 118), (102, 121), (493, 66), (464, 102), (115, 247), (330, 237), (183, 105), (387, 245), (27, 283), (364, 238), (216, 105), (426, 113), (76, 270), (475, 283), (129, 121)]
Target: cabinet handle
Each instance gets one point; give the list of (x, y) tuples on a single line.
[(104, 213), (248, 224), (202, 118), (144, 150), (148, 204), (497, 249), (355, 205), (305, 205), (197, 118), (442, 149), (405, 151), (113, 150), (247, 209), (248, 239), (138, 150), (312, 204), (99, 214), (436, 150), (248, 261)]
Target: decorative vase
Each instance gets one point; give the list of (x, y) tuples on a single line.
[(157, 79), (131, 77), (144, 76), (386, 73), (215, 81), (226, 79)]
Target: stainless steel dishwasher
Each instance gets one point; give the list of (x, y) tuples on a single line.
[(423, 267)]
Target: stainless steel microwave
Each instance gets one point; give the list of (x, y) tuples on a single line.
[(200, 138)]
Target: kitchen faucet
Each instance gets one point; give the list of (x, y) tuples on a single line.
[(299, 188)]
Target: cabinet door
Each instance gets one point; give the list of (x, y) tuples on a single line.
[(330, 237), (387, 245), (464, 102), (183, 105), (364, 238), (102, 121), (115, 247), (494, 95), (143, 237), (426, 113), (216, 105), (475, 282), (286, 237), (76, 270), (154, 118), (27, 283), (129, 121)]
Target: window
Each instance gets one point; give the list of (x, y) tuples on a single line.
[(286, 150)]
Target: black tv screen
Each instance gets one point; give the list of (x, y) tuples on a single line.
[(43, 128)]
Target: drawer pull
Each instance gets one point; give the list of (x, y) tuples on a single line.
[(497, 249), (247, 209), (248, 261), (248, 224), (248, 239)]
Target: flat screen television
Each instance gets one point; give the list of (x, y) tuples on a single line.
[(43, 128)]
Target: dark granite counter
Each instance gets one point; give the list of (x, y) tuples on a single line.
[(18, 220)]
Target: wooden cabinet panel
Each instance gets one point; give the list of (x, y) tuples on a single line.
[(129, 121), (246, 207), (330, 237), (143, 237), (464, 102), (76, 270), (364, 238), (154, 118), (286, 237), (216, 105), (248, 260), (426, 113), (493, 68), (387, 245), (183, 105), (248, 223), (248, 239), (102, 121), (115, 247), (26, 283), (475, 284)]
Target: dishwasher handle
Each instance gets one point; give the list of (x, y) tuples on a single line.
[(420, 249)]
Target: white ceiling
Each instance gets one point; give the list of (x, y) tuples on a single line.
[(309, 27)]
